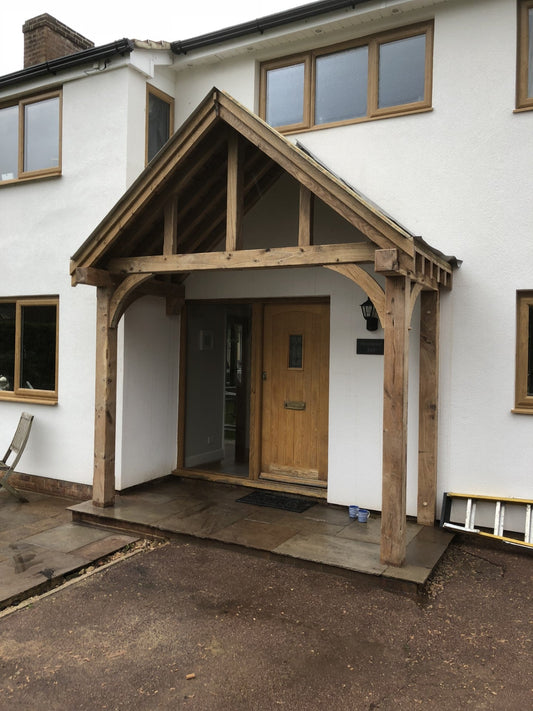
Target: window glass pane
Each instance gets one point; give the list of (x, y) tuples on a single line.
[(402, 66), (41, 135), (285, 95), (530, 55), (7, 346), (341, 85), (9, 143), (530, 353), (295, 351), (158, 124), (38, 347)]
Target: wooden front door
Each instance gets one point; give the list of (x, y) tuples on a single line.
[(295, 393)]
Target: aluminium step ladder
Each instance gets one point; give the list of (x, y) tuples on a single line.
[(500, 504)]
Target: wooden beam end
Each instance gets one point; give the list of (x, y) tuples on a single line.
[(386, 261)]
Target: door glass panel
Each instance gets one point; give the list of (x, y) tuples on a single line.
[(341, 85), (217, 415), (285, 95), (295, 351), (402, 67)]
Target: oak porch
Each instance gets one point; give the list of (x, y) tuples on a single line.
[(163, 221)]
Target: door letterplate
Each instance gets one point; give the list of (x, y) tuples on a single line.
[(294, 405)]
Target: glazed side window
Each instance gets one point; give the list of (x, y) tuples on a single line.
[(159, 120), (379, 76), (524, 351), (524, 88), (30, 138), (28, 348)]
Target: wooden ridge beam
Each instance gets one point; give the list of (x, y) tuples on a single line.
[(319, 255)]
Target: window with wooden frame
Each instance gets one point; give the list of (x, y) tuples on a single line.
[(28, 349), (375, 77), (159, 120), (30, 137), (524, 81), (524, 352)]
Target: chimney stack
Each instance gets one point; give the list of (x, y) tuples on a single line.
[(46, 38)]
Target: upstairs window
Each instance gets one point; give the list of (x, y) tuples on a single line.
[(28, 349), (524, 89), (30, 138), (159, 120), (379, 76), (524, 352)]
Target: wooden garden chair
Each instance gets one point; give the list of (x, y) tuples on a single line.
[(14, 452)]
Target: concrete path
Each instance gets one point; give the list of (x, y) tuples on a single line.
[(39, 544)]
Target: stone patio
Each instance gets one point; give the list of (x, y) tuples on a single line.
[(323, 534)]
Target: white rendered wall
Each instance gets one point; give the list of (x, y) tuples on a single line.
[(147, 436), (41, 224)]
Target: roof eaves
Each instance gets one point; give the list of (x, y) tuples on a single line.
[(296, 14), (54, 66)]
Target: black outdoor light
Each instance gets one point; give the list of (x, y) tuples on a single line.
[(370, 315)]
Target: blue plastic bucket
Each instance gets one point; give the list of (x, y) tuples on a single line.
[(353, 511), (362, 515)]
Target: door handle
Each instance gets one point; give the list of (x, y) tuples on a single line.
[(294, 405)]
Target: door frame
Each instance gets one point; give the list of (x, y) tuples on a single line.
[(256, 390)]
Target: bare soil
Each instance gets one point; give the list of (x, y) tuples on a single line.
[(195, 626)]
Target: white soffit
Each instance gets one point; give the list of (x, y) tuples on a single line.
[(354, 22)]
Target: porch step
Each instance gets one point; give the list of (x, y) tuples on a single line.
[(500, 505)]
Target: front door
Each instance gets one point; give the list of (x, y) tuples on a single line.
[(295, 393)]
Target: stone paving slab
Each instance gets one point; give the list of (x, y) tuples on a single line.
[(39, 544)]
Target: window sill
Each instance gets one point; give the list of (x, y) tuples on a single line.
[(30, 178), (522, 411), (522, 109), (35, 400), (350, 122)]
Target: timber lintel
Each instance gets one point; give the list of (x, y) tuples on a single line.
[(312, 255)]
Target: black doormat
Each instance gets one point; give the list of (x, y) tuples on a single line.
[(296, 504)]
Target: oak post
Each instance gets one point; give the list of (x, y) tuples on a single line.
[(396, 360), (305, 217), (105, 402), (170, 229), (235, 194), (428, 407)]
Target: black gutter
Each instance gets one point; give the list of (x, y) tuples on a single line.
[(105, 51), (296, 14)]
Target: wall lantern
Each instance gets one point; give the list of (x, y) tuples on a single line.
[(370, 315)]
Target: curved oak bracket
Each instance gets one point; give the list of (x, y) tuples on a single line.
[(124, 295), (367, 283)]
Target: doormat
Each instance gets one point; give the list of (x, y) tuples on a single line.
[(296, 504)]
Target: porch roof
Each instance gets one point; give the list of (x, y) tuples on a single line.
[(195, 191)]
